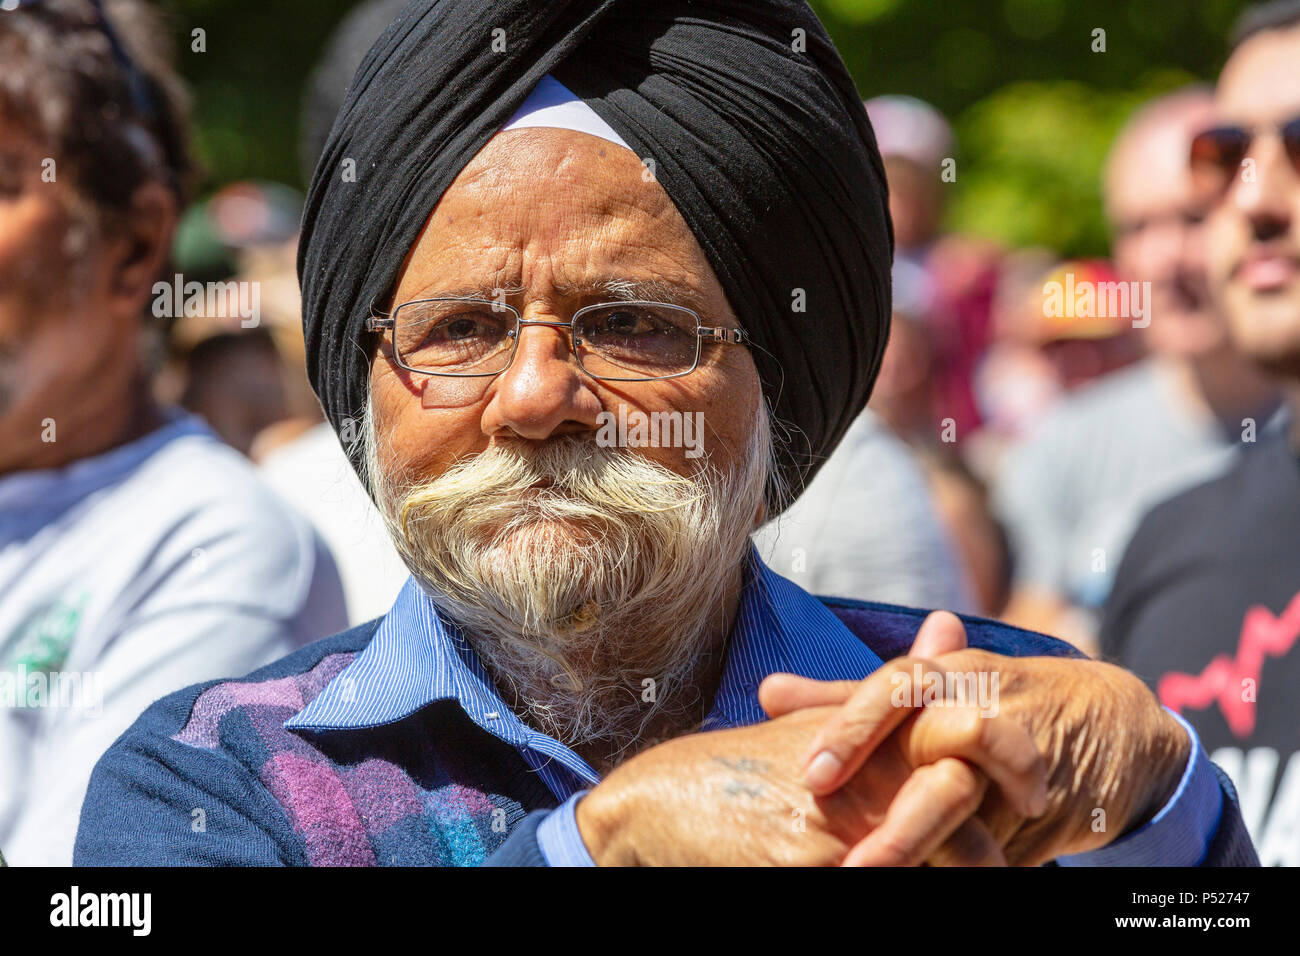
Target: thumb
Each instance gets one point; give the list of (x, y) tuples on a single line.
[(781, 694), (942, 632)]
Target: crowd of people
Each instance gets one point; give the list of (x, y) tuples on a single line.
[(1103, 451)]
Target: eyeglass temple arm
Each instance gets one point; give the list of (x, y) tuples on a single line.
[(719, 334)]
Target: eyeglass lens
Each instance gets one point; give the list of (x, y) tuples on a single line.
[(1217, 154), (625, 340)]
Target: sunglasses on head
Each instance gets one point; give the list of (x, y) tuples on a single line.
[(1217, 153)]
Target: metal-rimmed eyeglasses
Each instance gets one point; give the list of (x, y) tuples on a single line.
[(634, 341)]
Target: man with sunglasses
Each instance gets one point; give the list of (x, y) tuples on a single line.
[(1207, 602), (1109, 452)]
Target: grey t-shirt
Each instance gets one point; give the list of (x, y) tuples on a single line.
[(1071, 495), (866, 528)]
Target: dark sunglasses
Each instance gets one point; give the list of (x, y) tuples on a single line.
[(141, 94), (1217, 154)]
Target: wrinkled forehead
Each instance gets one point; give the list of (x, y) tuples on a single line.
[(1261, 81), (554, 167), (559, 209)]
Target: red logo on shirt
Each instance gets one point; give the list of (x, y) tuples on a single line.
[(1224, 679)]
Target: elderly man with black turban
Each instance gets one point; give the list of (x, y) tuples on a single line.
[(592, 287)]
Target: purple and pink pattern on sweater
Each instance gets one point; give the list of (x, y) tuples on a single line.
[(347, 807)]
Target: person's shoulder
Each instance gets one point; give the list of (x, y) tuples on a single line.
[(214, 714), (193, 779), (868, 448), (1251, 481), (193, 471), (220, 530), (1099, 406), (870, 441), (307, 452), (1196, 531), (1113, 391), (889, 629)]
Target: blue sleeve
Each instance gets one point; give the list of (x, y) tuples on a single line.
[(1232, 845), (521, 847), (560, 839), (1184, 831), (546, 838)]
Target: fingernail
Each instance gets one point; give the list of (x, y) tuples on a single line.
[(823, 770)]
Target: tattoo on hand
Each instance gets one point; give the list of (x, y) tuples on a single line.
[(746, 766)]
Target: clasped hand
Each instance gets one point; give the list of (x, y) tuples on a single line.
[(908, 766)]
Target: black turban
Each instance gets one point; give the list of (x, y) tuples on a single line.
[(756, 132)]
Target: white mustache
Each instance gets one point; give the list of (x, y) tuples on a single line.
[(568, 477)]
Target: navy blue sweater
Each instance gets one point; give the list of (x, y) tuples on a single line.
[(209, 775)]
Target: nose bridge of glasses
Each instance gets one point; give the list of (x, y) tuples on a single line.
[(561, 346), (554, 325), (1268, 154)]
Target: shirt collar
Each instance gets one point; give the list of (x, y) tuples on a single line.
[(416, 658), (781, 628)]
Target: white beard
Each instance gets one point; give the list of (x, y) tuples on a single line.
[(594, 601)]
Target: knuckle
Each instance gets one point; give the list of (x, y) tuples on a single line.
[(849, 728), (972, 731), (990, 731), (1031, 763), (956, 778), (1014, 745)]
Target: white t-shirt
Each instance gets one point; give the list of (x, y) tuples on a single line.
[(124, 577), (314, 475)]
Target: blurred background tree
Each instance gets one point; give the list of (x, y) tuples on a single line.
[(1034, 107)]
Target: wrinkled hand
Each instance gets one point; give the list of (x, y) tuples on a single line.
[(1063, 757), (727, 797), (738, 797)]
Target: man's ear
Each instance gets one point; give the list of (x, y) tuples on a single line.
[(140, 246)]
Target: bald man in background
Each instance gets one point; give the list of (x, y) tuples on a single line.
[(1072, 495)]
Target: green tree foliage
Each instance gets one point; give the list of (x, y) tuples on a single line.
[(247, 84), (1034, 156), (1034, 107)]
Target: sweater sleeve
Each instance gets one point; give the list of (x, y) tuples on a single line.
[(154, 801), (521, 847), (1231, 845)]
